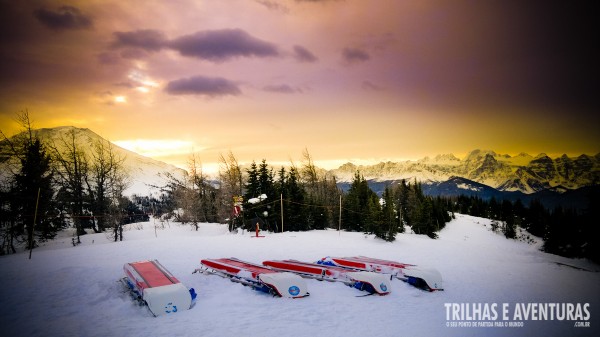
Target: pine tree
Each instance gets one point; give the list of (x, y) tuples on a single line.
[(34, 191), (390, 219), (361, 209)]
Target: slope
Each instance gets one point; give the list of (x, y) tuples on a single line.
[(73, 291)]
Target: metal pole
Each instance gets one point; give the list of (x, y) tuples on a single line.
[(34, 220), (340, 217), (281, 203)]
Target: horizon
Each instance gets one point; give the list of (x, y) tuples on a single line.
[(349, 81), (213, 167)]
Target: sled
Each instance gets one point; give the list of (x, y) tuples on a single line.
[(372, 283), (421, 277), (261, 278), (154, 286)]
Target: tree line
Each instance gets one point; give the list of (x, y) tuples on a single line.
[(566, 232), (299, 198)]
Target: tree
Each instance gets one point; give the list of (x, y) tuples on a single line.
[(360, 211), (321, 192), (72, 168), (390, 219), (294, 196), (206, 193), (29, 205), (231, 185), (105, 182)]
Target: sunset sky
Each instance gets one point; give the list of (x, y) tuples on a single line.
[(350, 80)]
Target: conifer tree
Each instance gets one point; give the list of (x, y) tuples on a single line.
[(361, 211)]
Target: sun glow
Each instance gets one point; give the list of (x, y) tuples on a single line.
[(120, 99), (158, 147)]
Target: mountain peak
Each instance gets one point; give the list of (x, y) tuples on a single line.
[(478, 154), (144, 171)]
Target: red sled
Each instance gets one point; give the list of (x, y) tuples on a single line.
[(258, 277), (421, 277), (372, 283), (154, 286)]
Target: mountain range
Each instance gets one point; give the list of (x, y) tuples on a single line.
[(522, 173)]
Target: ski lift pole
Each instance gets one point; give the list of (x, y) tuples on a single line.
[(37, 201), (340, 218)]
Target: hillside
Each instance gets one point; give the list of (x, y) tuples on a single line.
[(143, 171), (74, 291)]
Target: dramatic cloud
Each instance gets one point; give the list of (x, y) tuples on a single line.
[(204, 86), (221, 45), (281, 88), (304, 55), (146, 39), (65, 18), (355, 55)]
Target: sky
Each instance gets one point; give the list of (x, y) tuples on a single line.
[(347, 80)]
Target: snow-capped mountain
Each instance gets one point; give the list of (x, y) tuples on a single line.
[(143, 171), (523, 172)]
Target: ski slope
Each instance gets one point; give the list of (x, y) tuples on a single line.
[(74, 291)]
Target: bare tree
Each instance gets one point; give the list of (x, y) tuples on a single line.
[(204, 192), (105, 181), (72, 168), (230, 176), (322, 191)]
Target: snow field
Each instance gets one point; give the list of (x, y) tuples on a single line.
[(74, 291)]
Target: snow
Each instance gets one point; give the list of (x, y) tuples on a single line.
[(74, 291), (468, 187)]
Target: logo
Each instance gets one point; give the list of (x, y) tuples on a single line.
[(383, 287), (170, 308), (294, 291)]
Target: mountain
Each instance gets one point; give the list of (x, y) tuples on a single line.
[(143, 171), (521, 173)]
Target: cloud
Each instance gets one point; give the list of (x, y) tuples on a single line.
[(146, 39), (108, 58), (65, 18), (304, 55), (370, 86), (221, 45), (274, 6), (204, 86), (314, 1), (281, 88), (355, 55)]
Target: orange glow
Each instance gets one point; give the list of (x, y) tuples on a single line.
[(348, 80)]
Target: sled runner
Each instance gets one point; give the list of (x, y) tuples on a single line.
[(152, 285), (372, 283), (425, 278), (256, 276)]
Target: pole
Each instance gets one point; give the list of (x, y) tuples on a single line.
[(340, 217), (281, 203), (37, 201)]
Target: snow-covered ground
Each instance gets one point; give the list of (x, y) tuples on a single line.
[(74, 291)]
